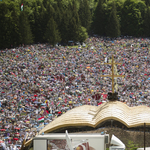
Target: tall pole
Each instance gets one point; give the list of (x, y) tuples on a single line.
[(144, 135), (112, 73)]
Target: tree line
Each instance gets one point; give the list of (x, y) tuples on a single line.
[(56, 21)]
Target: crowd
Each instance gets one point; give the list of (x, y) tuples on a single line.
[(38, 83)]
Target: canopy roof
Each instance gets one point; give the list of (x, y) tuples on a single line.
[(117, 142), (92, 116)]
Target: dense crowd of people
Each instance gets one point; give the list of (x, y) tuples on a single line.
[(39, 82)]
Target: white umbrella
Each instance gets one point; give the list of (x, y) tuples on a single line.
[(67, 87)]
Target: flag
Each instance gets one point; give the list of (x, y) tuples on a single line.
[(41, 119), (47, 111), (21, 7), (100, 103), (58, 104)]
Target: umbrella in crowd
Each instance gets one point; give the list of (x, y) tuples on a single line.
[(17, 128), (1, 141), (16, 139)]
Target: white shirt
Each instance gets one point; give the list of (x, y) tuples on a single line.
[(13, 147), (8, 148)]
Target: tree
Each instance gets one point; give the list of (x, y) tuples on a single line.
[(64, 28), (113, 27), (5, 21), (82, 34), (52, 35), (141, 6), (38, 27), (48, 14), (73, 30), (147, 2), (45, 3), (24, 28), (131, 145), (58, 13), (74, 23), (85, 14), (14, 26), (99, 19), (70, 26), (130, 18), (147, 22)]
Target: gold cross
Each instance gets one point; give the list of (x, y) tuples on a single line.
[(112, 75)]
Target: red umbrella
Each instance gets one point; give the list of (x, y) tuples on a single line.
[(35, 95), (17, 128), (16, 139), (2, 129), (42, 107), (1, 141), (59, 112)]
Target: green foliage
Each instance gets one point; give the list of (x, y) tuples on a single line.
[(85, 14), (73, 18), (82, 34), (147, 22), (113, 27), (24, 29), (15, 34), (64, 29), (99, 19), (4, 25), (147, 2), (131, 145), (130, 18), (52, 34)]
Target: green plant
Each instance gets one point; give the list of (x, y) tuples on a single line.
[(131, 145)]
